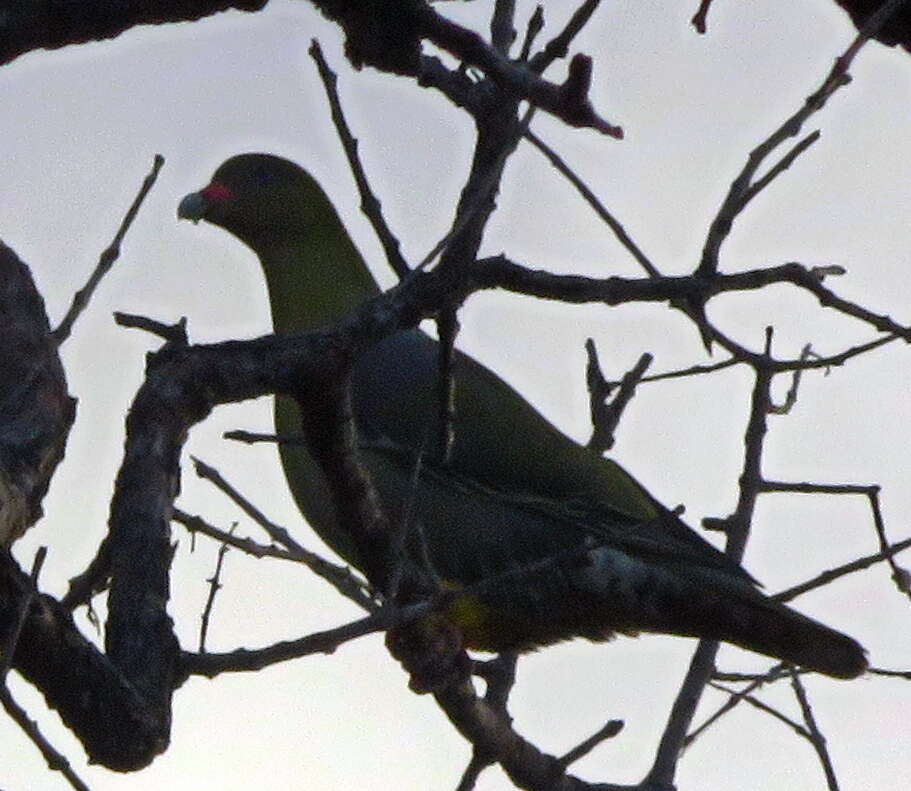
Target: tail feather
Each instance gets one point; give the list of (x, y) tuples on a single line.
[(746, 617), (632, 595), (768, 627)]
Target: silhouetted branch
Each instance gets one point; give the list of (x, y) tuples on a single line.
[(610, 729), (815, 735), (108, 256), (340, 577), (214, 586), (49, 24), (370, 204), (592, 200), (848, 568), (37, 411)]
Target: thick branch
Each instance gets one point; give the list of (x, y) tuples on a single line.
[(499, 272), (105, 712), (37, 410), (49, 24)]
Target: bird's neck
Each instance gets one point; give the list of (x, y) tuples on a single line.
[(314, 279)]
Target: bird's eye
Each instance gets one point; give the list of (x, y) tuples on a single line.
[(264, 175)]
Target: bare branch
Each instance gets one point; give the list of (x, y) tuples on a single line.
[(791, 397), (214, 586), (340, 577), (534, 27), (56, 761), (245, 660), (370, 204), (558, 47), (196, 524), (170, 333), (734, 698), (764, 707), (606, 416), (699, 18), (848, 568), (500, 272), (743, 188), (569, 102), (108, 257), (815, 735), (500, 675), (900, 576), (49, 25), (610, 729), (780, 167), (502, 26), (592, 200), (738, 526)]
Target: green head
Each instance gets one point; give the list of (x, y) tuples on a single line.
[(260, 198), (313, 270)]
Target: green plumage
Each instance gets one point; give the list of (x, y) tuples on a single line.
[(515, 492)]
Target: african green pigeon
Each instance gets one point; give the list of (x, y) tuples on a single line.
[(570, 544)]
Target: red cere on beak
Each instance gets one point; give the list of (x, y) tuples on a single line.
[(216, 192)]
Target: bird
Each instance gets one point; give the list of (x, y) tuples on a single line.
[(536, 538)]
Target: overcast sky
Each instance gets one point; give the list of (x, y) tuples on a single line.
[(81, 127)]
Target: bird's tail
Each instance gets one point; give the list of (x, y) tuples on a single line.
[(751, 620)]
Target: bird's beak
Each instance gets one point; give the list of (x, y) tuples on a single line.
[(193, 207)]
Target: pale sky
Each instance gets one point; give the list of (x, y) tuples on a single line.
[(79, 134)]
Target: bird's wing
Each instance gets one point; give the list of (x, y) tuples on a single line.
[(500, 531), (503, 445)]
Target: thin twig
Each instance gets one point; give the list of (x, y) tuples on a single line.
[(558, 47), (592, 200), (815, 735), (780, 167), (107, 258), (848, 568), (326, 642), (172, 333), (196, 524), (56, 761), (805, 487), (370, 204), (337, 576), (733, 700), (606, 416), (764, 707), (674, 736), (485, 189), (880, 671), (568, 101), (403, 529), (214, 586), (791, 396), (699, 18), (610, 729), (743, 187), (500, 272), (900, 576), (534, 27), (252, 437)]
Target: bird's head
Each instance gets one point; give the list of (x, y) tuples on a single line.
[(258, 198)]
